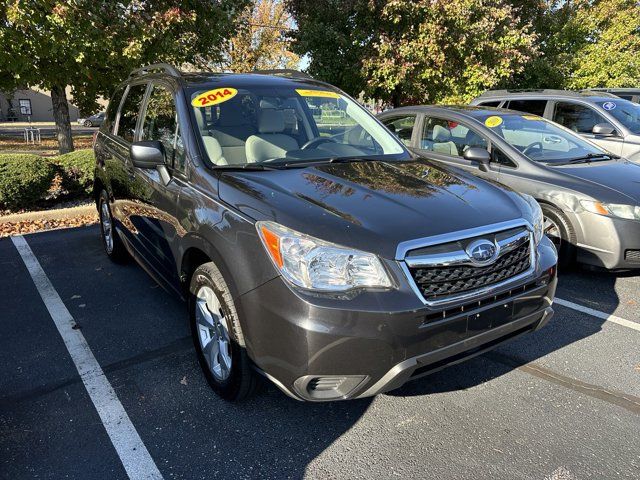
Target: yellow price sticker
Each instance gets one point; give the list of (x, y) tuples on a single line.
[(317, 93), (213, 97), (493, 122)]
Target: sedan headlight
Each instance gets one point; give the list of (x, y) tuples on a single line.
[(537, 219), (629, 212), (314, 264)]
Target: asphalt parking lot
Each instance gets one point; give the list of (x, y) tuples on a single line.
[(562, 403)]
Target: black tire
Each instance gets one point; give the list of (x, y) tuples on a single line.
[(87, 123), (566, 241), (116, 251), (242, 381)]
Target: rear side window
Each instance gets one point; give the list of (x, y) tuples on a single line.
[(402, 127), (112, 109), (130, 111), (161, 123), (579, 118), (536, 107), (449, 137), (490, 104)]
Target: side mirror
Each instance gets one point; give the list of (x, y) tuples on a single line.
[(478, 155), (147, 154), (603, 130)]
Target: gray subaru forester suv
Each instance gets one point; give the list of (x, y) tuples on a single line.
[(608, 121), (312, 248)]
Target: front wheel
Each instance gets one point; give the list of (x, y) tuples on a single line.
[(559, 230), (217, 335), (87, 123), (113, 246)]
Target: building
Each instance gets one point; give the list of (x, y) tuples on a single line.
[(15, 106)]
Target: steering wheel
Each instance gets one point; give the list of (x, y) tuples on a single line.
[(534, 145), (314, 142)]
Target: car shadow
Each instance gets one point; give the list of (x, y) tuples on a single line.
[(578, 286)]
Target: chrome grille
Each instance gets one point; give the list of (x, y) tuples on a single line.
[(446, 272)]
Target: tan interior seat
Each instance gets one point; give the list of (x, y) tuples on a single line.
[(270, 142), (442, 141)]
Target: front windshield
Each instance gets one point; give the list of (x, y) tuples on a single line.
[(626, 112), (539, 139), (286, 124)]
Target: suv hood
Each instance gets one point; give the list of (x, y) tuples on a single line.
[(371, 206), (617, 176)]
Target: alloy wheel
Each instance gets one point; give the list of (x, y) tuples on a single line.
[(107, 226), (552, 230), (213, 333)]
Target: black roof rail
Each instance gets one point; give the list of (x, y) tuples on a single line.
[(164, 67), (285, 72)]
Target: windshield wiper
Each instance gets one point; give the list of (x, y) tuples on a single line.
[(590, 157), (252, 167)]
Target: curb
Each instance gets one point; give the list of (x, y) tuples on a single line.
[(57, 214)]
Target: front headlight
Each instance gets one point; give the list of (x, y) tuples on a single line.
[(629, 212), (537, 219), (314, 264)]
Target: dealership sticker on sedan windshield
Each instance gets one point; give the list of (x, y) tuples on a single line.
[(213, 97), (317, 93), (493, 122), (609, 105)]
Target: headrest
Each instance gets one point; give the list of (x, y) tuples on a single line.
[(232, 115), (271, 121), (440, 134), (214, 151), (200, 119), (269, 102)]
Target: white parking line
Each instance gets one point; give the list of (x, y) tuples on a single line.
[(596, 313), (132, 452)]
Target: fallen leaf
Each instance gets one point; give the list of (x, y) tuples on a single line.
[(184, 380), (82, 305), (73, 297)]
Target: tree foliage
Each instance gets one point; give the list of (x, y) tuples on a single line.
[(261, 40), (91, 45), (446, 50)]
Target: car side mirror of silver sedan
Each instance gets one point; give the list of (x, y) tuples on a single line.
[(603, 130), (479, 156)]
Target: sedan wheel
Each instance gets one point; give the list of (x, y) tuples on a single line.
[(552, 230), (213, 333), (88, 123)]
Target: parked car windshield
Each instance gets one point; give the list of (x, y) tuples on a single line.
[(626, 112), (539, 139), (284, 125)]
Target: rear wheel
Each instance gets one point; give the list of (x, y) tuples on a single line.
[(87, 123), (113, 246), (559, 230), (217, 336)]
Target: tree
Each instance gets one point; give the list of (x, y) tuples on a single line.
[(262, 41), (337, 36), (609, 55), (91, 45), (418, 51), (446, 51)]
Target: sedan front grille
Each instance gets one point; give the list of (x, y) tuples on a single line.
[(436, 282)]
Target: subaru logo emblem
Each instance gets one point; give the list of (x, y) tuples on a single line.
[(482, 252)]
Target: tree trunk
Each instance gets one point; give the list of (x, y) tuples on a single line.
[(61, 117)]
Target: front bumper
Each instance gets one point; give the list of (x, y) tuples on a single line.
[(326, 348), (612, 243)]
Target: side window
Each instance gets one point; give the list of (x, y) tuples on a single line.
[(112, 109), (402, 127), (578, 118), (161, 123), (449, 137), (129, 112), (627, 97), (499, 157), (490, 104), (535, 107)]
